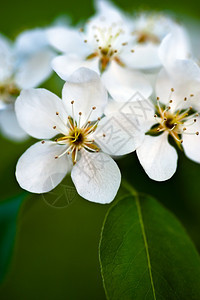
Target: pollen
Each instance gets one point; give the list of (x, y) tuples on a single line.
[(175, 123), (78, 136), (9, 92)]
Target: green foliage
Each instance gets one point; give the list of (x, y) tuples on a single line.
[(146, 254), (56, 249), (8, 214)]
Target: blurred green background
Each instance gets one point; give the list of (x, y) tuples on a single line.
[(55, 255)]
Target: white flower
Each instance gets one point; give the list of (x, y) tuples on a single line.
[(177, 117), (157, 37), (24, 64), (83, 142), (104, 45)]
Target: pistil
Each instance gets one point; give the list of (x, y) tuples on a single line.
[(78, 137)]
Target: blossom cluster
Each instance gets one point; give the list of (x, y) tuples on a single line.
[(132, 83)]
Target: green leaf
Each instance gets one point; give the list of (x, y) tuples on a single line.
[(145, 253), (8, 214), (56, 248)]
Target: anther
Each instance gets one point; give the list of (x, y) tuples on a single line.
[(80, 113), (72, 102), (155, 116), (195, 120), (94, 107), (104, 135), (85, 41), (172, 89), (157, 98), (124, 44), (97, 40), (197, 133), (191, 95), (42, 142), (132, 50), (54, 127), (181, 141), (184, 129), (170, 101), (185, 99), (56, 156), (115, 51), (57, 113)]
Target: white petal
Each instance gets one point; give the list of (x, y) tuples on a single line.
[(164, 84), (158, 157), (85, 88), (3, 105), (6, 59), (144, 57), (121, 133), (107, 15), (65, 65), (30, 41), (37, 169), (35, 69), (107, 10), (96, 177), (191, 143), (174, 46), (142, 111), (68, 40), (193, 32), (36, 113), (184, 78), (9, 126), (123, 83)]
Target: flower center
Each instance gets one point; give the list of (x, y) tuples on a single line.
[(108, 45), (175, 123), (77, 136), (144, 37), (8, 92)]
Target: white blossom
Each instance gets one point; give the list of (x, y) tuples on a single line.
[(157, 37), (177, 117), (23, 64), (83, 141), (106, 45)]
